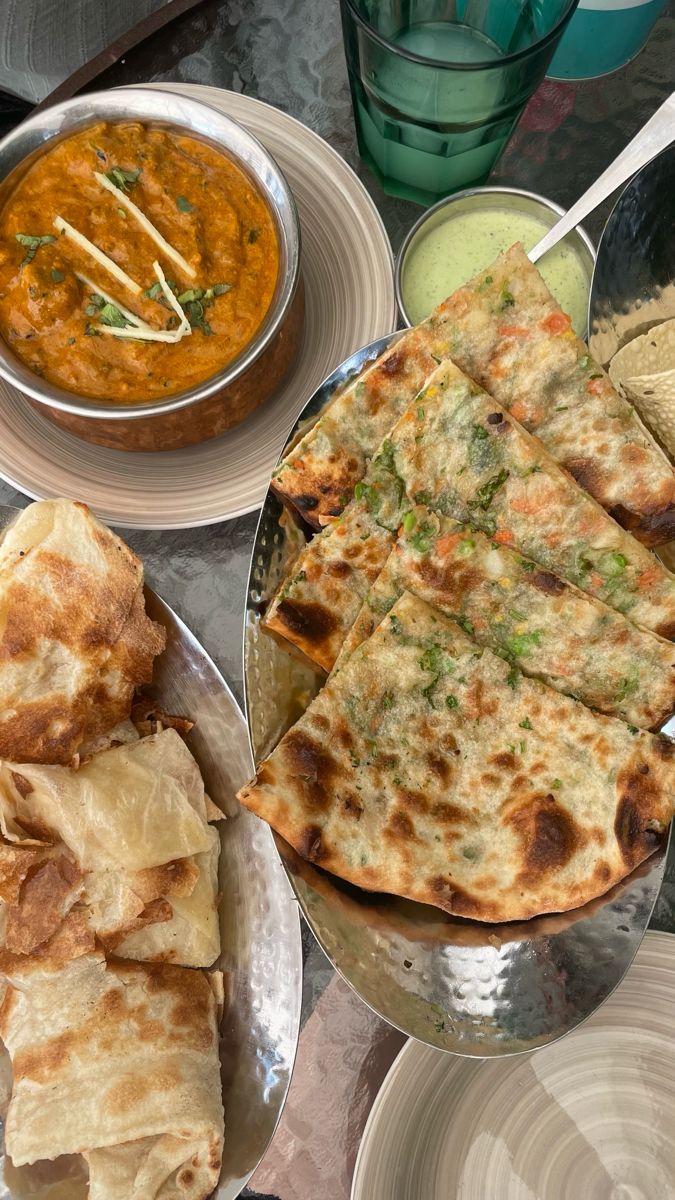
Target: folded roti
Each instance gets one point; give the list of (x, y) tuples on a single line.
[(534, 619), (429, 768), (462, 456), (117, 1061), (506, 331), (126, 838), (75, 640)]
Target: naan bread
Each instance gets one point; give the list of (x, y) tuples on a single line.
[(117, 1061), (459, 454), (126, 838), (429, 768), (75, 640), (531, 617)]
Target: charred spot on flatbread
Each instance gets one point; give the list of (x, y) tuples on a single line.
[(637, 830), (548, 835)]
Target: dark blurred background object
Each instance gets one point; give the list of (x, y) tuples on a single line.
[(53, 48)]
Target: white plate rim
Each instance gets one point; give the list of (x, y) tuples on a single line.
[(106, 511), (413, 1047)]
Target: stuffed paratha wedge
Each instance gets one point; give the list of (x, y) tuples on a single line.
[(429, 768), (534, 619), (117, 1061), (507, 332), (75, 640), (125, 840), (512, 337), (464, 457)]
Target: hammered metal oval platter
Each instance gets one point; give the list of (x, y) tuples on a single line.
[(464, 987), (260, 929)]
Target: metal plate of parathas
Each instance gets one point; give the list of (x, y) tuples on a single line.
[(261, 955), (462, 986)]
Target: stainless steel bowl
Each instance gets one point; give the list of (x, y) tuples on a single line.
[(634, 277), (486, 198), (281, 327), (462, 986)]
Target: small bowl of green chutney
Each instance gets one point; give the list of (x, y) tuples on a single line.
[(463, 234)]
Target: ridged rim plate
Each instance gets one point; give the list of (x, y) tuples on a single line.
[(261, 950), (347, 267), (591, 1119), (462, 986)]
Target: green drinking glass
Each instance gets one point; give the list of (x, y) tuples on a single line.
[(438, 86)]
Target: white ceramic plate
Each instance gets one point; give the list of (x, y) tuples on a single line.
[(590, 1118), (349, 300)]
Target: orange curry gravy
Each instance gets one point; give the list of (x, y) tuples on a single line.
[(202, 204)]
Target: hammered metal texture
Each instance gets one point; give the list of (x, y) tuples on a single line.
[(634, 278), (472, 989), (587, 1120), (260, 929)]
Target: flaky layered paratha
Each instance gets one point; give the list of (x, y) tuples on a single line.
[(506, 331), (532, 618), (75, 640), (117, 1061), (427, 767), (125, 840), (462, 456)]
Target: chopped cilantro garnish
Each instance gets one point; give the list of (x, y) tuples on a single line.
[(464, 623), (479, 433), (57, 276), (420, 540), (525, 724), (123, 179), (556, 783), (33, 242), (253, 235), (408, 522), (513, 677), (183, 204), (451, 702), (486, 493), (505, 298), (388, 700), (432, 659), (528, 566)]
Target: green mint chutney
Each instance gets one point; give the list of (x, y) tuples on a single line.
[(440, 261)]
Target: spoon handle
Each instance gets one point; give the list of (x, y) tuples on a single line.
[(655, 135)]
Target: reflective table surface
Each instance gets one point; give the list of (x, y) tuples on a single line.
[(289, 53)]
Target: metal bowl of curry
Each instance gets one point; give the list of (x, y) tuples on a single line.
[(150, 288)]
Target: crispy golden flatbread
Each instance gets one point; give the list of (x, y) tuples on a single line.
[(506, 331), (125, 840), (462, 456), (117, 1061), (531, 617), (429, 768), (75, 640)]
